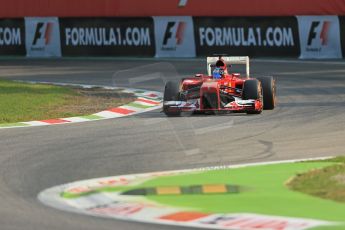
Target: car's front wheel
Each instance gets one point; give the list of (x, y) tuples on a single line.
[(171, 93), (269, 92), (252, 90)]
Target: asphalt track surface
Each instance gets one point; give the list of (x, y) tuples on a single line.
[(309, 121)]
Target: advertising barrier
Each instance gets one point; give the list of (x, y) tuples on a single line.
[(319, 36), (107, 36), (342, 33), (42, 37), (254, 36), (12, 37), (174, 37)]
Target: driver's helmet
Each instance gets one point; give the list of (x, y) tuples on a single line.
[(218, 72)]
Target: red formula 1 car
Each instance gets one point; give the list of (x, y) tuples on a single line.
[(220, 90)]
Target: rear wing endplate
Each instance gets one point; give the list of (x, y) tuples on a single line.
[(241, 60)]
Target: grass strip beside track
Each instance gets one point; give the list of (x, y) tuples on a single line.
[(266, 192), (327, 183), (25, 102)]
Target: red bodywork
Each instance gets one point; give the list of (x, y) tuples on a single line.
[(223, 94)]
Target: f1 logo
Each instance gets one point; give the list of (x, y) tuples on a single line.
[(43, 31), (170, 31), (323, 34)]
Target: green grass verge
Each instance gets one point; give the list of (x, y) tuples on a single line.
[(327, 183), (18, 124), (26, 102), (266, 192)]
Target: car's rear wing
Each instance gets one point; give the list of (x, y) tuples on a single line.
[(228, 61)]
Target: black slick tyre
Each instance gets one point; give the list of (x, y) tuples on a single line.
[(171, 93), (252, 90), (269, 92)]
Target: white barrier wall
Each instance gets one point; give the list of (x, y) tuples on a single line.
[(319, 36), (174, 37), (306, 37), (42, 37)]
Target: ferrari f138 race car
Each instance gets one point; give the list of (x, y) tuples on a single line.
[(220, 91)]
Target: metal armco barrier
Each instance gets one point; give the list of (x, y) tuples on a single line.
[(178, 36)]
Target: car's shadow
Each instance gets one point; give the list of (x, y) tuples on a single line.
[(160, 114)]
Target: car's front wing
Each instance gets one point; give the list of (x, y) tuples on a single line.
[(238, 105)]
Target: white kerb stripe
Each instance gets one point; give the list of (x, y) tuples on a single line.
[(108, 114), (35, 123), (76, 119)]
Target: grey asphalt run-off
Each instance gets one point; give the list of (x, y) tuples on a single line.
[(308, 122)]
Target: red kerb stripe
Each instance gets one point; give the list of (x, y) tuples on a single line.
[(55, 121), (147, 101), (121, 110)]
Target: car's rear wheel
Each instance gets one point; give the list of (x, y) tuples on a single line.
[(269, 92), (252, 90), (171, 93)]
